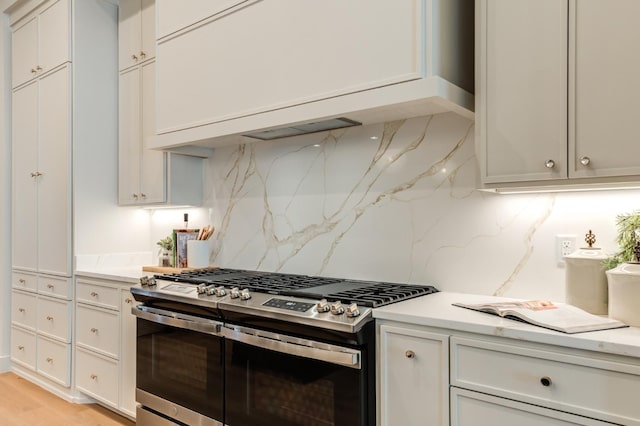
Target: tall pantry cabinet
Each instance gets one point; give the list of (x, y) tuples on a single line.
[(61, 52)]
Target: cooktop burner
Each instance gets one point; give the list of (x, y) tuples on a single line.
[(364, 293)]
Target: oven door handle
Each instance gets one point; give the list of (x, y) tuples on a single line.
[(174, 319), (294, 346)]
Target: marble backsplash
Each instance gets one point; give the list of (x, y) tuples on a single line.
[(395, 202)]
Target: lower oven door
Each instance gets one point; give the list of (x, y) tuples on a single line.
[(271, 379), (179, 366)]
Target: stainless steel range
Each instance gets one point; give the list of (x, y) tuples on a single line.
[(236, 347)]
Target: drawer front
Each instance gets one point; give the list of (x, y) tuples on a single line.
[(97, 376), (53, 318), (54, 360), (468, 407), (55, 286), (23, 347), (24, 309), (95, 294), (98, 329), (567, 382), (24, 281)]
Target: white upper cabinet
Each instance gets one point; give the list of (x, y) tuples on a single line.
[(41, 42), (136, 32), (556, 92), (247, 65)]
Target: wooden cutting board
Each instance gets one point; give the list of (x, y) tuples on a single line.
[(165, 269)]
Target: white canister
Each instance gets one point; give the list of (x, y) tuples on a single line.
[(586, 281), (198, 253), (624, 293)]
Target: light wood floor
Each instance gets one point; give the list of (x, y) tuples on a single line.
[(23, 403)]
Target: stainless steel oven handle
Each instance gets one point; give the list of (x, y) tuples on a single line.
[(294, 346), (174, 319)]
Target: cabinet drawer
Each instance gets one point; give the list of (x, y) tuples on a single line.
[(467, 407), (595, 387), (54, 360), (23, 347), (55, 286), (97, 376), (24, 281), (24, 309), (95, 294), (97, 329), (53, 318)]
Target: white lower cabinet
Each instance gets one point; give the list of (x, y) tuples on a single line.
[(23, 347), (53, 360), (105, 343), (414, 386), (430, 376)]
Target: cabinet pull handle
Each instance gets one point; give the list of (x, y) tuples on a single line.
[(545, 381), (410, 354), (20, 347), (94, 377), (134, 57), (23, 310), (49, 318), (94, 294), (127, 300), (50, 360), (585, 161), (550, 164), (50, 286), (22, 281), (94, 330)]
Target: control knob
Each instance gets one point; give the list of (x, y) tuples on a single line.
[(147, 281), (323, 306), (201, 288), (210, 290), (337, 308), (234, 293), (352, 310), (244, 294), (220, 291)]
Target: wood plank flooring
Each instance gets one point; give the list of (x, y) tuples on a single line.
[(23, 403)]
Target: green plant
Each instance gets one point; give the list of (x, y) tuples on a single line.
[(627, 225), (166, 243)]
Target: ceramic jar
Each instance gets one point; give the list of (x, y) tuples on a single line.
[(586, 282), (624, 293)]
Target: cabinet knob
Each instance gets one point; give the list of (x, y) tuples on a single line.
[(23, 310), (50, 360), (20, 347), (94, 330), (134, 57), (142, 54), (143, 195), (135, 196), (22, 281), (49, 318), (50, 286), (94, 294), (127, 300), (38, 68), (94, 376), (33, 71), (585, 161), (550, 164), (34, 174), (410, 354), (545, 381)]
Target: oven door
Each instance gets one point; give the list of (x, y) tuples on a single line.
[(179, 366), (271, 379)]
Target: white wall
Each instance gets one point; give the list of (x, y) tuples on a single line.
[(402, 207)]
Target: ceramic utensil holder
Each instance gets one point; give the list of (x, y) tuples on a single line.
[(198, 253), (624, 293)]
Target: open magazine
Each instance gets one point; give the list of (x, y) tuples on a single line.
[(556, 316)]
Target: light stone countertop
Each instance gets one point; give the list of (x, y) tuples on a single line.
[(123, 267), (129, 275), (436, 310)]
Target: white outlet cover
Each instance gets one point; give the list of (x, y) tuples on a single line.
[(565, 245)]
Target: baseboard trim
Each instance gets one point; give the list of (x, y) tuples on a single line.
[(62, 392)]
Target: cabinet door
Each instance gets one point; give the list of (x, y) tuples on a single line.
[(129, 33), (467, 408), (24, 120), (128, 354), (178, 15), (221, 70), (54, 201), (413, 377), (605, 89), (523, 90), (129, 131), (147, 29), (24, 52), (153, 163), (53, 35)]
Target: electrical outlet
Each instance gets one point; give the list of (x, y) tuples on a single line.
[(565, 245)]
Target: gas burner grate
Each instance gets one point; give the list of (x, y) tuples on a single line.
[(381, 294), (279, 283)]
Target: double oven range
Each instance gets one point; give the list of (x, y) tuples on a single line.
[(242, 348)]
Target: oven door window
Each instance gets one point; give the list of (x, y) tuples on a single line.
[(264, 387), (181, 366)]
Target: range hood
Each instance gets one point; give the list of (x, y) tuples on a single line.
[(303, 129)]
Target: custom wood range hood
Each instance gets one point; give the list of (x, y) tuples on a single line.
[(308, 63)]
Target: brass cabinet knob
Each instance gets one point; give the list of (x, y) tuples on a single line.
[(127, 300), (49, 318), (20, 347), (22, 281), (50, 360), (134, 57), (142, 54), (143, 195), (38, 68), (94, 330), (94, 376), (23, 310), (410, 354), (33, 71), (94, 294), (50, 286), (135, 196), (550, 164)]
